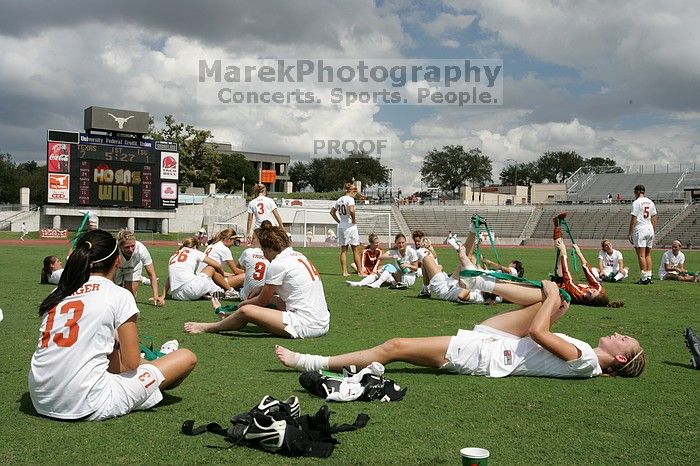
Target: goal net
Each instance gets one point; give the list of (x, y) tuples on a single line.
[(316, 227)]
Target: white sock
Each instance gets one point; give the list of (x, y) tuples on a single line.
[(385, 276), (485, 283), (368, 279), (311, 362), (351, 283)]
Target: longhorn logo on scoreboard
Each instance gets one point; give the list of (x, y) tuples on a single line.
[(169, 165), (59, 188)]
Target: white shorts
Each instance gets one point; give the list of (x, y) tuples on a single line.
[(409, 279), (195, 289), (643, 238), (444, 287), (349, 236), (130, 391), (298, 328), (128, 274), (469, 352)]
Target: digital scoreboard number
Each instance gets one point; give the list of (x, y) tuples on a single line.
[(91, 170)]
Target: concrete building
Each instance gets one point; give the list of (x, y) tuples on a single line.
[(273, 169)]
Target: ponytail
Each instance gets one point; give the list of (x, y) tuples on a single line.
[(46, 270), (95, 252)]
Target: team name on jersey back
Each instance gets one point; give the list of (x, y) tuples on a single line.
[(87, 288)]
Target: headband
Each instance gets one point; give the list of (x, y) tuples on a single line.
[(116, 244), (629, 362)]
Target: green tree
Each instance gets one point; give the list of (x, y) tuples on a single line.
[(200, 163), (360, 166), (235, 167), (555, 167), (451, 167), (299, 175), (34, 176), (523, 173), (610, 164), (9, 184)]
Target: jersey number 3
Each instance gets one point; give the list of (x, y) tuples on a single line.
[(60, 338)]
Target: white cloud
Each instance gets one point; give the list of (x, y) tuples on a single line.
[(446, 22), (450, 43)]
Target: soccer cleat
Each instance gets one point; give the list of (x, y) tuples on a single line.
[(272, 407), (693, 343), (424, 294), (214, 294), (231, 294), (398, 286)]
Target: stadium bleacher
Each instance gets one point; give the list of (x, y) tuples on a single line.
[(666, 187)]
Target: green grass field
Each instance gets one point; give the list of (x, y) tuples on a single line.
[(652, 419)]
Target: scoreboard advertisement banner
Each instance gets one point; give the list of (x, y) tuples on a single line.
[(94, 170)]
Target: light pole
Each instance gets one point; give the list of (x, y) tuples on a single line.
[(391, 183), (243, 185)]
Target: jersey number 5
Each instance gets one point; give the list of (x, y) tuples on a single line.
[(646, 211), (60, 338)]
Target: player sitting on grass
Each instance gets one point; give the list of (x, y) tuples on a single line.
[(370, 260), (220, 251), (673, 265), (134, 258), (611, 266), (185, 284), (516, 342), (51, 271), (590, 294), (400, 276), (87, 363), (301, 310), (255, 264)]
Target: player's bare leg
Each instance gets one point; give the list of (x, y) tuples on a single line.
[(344, 261), (428, 352), (357, 259), (268, 319), (517, 322)]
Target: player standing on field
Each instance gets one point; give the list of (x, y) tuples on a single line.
[(261, 208), (343, 212), (641, 232)]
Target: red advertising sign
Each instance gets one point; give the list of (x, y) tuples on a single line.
[(58, 157), (50, 233)]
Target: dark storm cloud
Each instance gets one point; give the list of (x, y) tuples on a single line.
[(211, 21)]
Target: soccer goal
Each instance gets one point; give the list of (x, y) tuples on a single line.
[(316, 226)]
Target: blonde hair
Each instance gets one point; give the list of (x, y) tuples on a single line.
[(224, 234), (189, 242), (634, 366), (259, 188), (349, 186), (125, 235)]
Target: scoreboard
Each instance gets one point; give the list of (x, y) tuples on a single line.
[(95, 170)]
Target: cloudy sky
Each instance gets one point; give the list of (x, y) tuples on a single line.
[(611, 79)]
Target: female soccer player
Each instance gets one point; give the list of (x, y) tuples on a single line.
[(590, 294), (404, 273), (301, 310), (343, 212), (255, 265), (517, 342), (611, 265), (261, 208), (87, 364), (134, 257), (371, 259), (641, 232), (220, 251), (51, 271), (185, 283)]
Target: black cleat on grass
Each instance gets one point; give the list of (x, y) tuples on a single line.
[(693, 343)]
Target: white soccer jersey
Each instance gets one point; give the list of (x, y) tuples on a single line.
[(218, 252), (255, 265), (408, 257), (299, 286), (68, 374), (262, 207), (139, 259), (669, 258), (55, 276), (182, 266), (612, 261), (342, 207), (643, 209)]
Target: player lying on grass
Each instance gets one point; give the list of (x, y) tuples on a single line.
[(87, 363), (185, 283), (673, 265), (51, 271), (301, 310), (134, 258), (517, 342), (611, 265), (591, 293), (220, 251)]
